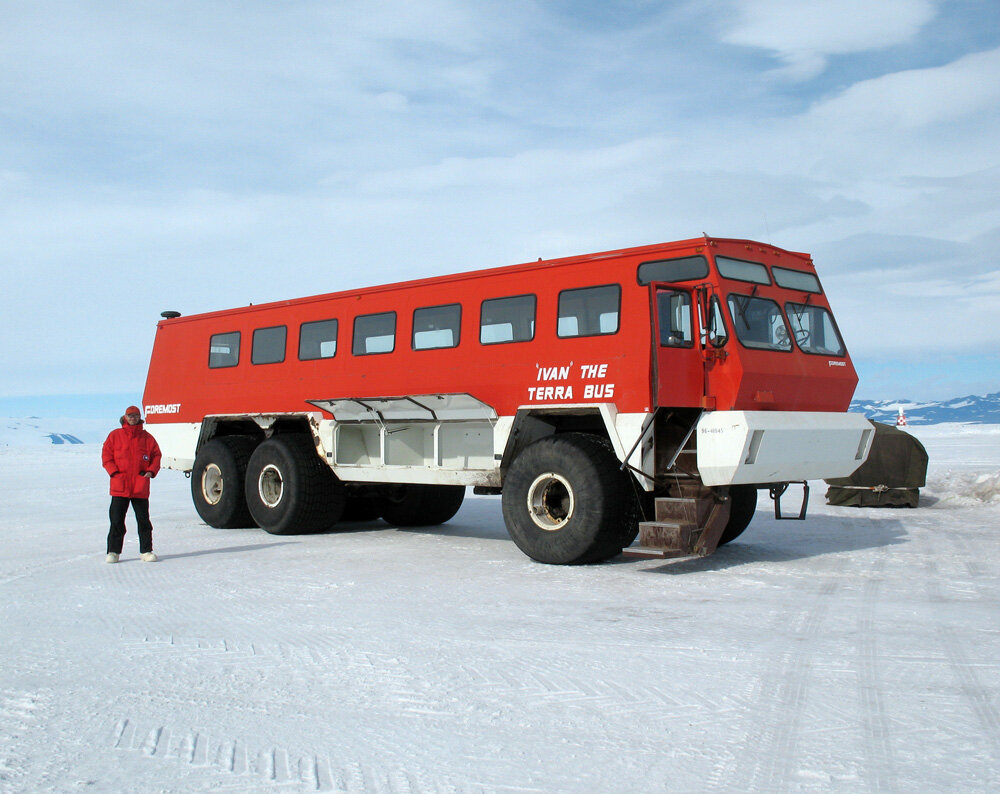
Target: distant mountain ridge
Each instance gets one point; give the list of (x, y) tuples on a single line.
[(983, 409)]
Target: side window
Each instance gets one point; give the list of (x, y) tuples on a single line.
[(268, 345), (436, 327), (374, 333), (674, 316), (591, 311), (318, 340), (224, 350), (507, 320)]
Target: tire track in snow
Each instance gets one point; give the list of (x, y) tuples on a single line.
[(880, 765), (769, 748), (274, 768), (198, 747)]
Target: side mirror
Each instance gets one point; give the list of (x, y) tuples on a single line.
[(717, 334)]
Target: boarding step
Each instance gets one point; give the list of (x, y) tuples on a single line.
[(683, 526), (663, 539)]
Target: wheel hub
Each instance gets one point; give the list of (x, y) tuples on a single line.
[(212, 484), (270, 485), (550, 501)]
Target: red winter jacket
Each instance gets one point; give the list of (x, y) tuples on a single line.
[(128, 454)]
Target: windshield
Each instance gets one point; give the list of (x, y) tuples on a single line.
[(759, 323), (814, 330)]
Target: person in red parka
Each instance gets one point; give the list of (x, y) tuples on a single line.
[(131, 457)]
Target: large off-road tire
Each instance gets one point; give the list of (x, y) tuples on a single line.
[(422, 505), (217, 481), (566, 501), (744, 504), (289, 490)]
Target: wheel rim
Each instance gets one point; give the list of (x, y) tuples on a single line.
[(270, 486), (550, 501), (212, 484)]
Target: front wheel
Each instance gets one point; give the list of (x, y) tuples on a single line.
[(290, 490), (565, 500), (217, 482)]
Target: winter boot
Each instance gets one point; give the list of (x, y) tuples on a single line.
[(112, 557), (148, 556)]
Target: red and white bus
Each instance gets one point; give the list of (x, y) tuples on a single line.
[(659, 385)]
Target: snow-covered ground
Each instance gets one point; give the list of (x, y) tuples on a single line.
[(858, 651)]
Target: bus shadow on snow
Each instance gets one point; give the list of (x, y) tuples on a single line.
[(771, 541), (473, 520)]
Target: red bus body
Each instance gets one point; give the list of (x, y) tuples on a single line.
[(400, 410)]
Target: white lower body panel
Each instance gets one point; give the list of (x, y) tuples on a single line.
[(742, 447)]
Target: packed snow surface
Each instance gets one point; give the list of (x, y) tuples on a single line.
[(858, 651)]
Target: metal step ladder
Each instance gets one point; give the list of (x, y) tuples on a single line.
[(683, 526)]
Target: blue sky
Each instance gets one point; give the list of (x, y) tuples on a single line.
[(203, 155)]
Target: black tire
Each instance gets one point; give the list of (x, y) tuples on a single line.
[(217, 482), (566, 501), (289, 490), (422, 505), (744, 499)]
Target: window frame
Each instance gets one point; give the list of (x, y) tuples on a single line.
[(354, 333), (336, 338), (239, 348), (457, 329), (833, 324), (253, 345), (534, 318), (692, 318), (761, 265), (646, 283), (618, 311), (736, 324), (777, 270)]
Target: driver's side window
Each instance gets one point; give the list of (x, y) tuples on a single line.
[(674, 317)]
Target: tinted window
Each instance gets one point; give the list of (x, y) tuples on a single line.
[(813, 330), (436, 327), (507, 320), (796, 279), (589, 312), (318, 340), (674, 318), (374, 333), (759, 323), (683, 268), (268, 345), (224, 350), (741, 270)]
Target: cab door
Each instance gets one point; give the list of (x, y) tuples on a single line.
[(679, 362)]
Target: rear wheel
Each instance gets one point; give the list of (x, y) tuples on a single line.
[(290, 490), (565, 500), (217, 481), (744, 505), (414, 505)]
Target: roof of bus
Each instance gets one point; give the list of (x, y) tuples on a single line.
[(472, 274)]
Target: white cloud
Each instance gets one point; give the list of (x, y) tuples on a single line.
[(917, 97), (804, 34)]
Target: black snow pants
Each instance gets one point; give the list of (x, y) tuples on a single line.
[(116, 536)]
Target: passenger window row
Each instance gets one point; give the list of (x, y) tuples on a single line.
[(590, 311)]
